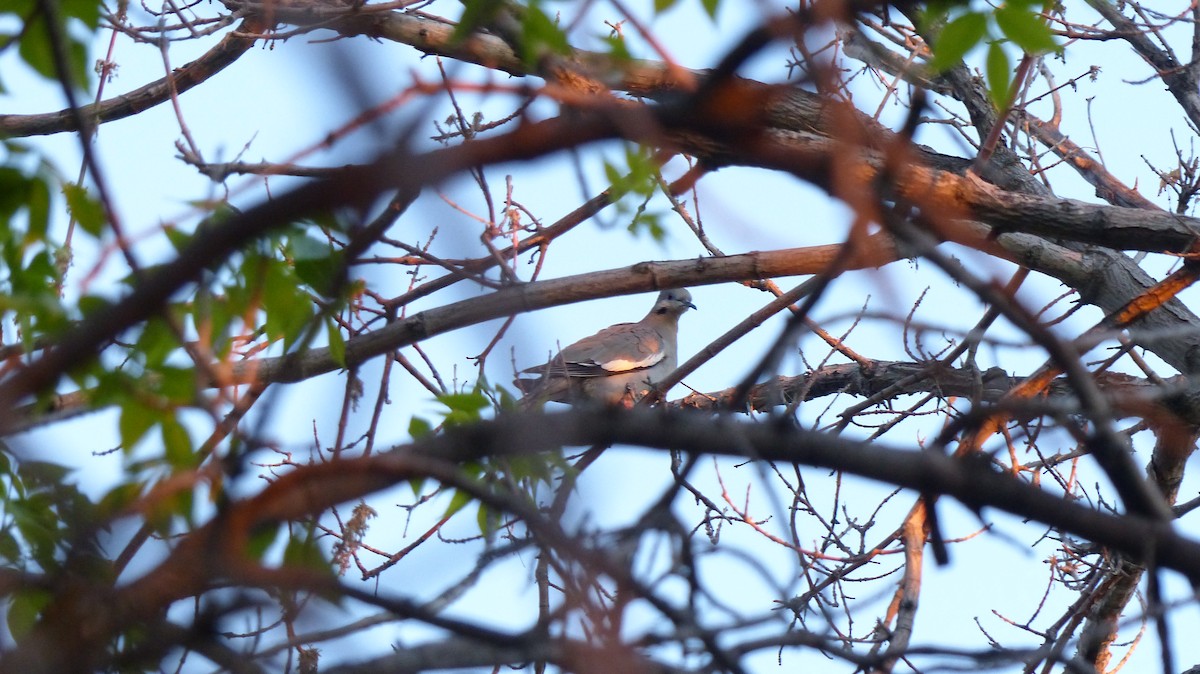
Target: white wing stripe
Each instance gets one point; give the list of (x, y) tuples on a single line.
[(625, 364)]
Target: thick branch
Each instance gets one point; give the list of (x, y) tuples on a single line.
[(804, 155), (641, 277), (213, 551), (1128, 395)]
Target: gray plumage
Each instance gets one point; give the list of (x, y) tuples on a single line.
[(617, 365)]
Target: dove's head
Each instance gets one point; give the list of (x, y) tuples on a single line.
[(673, 303)]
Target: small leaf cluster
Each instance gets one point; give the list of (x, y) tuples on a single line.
[(43, 513), (539, 33), (46, 523), (515, 475), (963, 29), (636, 175), (31, 263), (279, 291)]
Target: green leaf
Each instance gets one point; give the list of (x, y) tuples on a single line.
[(417, 484), (87, 211), (327, 221), (43, 474), (316, 263), (120, 497), (23, 611), (35, 47), (930, 15), (419, 428), (535, 467), (134, 423), (661, 6), (9, 548), (540, 33), (459, 501), (109, 387), (91, 305), (219, 213), (639, 176), (956, 39), (261, 540), (476, 14), (643, 170), (337, 343), (710, 8), (164, 511), (178, 238), (617, 49), (302, 551), (87, 11), (507, 400), (185, 506), (156, 342), (616, 179), (1026, 29), (14, 188), (999, 74), (38, 203), (38, 524), (176, 384), (487, 519), (77, 61), (464, 408), (288, 308), (177, 445), (37, 50), (35, 282), (650, 223)]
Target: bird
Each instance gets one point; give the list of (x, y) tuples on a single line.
[(616, 366)]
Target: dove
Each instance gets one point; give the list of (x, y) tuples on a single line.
[(617, 365)]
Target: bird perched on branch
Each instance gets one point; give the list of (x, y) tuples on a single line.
[(617, 365)]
